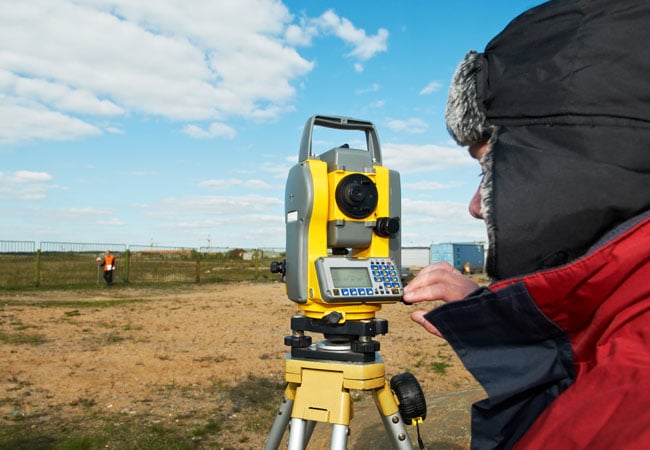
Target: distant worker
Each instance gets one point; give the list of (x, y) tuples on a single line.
[(109, 266)]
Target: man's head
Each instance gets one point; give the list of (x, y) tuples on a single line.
[(556, 110)]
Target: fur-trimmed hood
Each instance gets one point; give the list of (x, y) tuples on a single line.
[(562, 93)]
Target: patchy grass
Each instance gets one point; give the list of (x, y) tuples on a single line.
[(440, 367), (77, 304), (241, 412), (104, 434), (22, 338)]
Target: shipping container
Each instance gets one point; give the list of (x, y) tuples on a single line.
[(466, 257)]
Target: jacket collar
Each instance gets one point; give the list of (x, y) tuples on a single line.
[(592, 290)]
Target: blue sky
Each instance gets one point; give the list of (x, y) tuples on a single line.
[(175, 123)]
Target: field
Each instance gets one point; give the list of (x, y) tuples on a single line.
[(193, 366)]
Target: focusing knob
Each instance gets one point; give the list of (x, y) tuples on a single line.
[(387, 226), (279, 267)]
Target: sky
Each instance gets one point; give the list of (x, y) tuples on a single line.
[(175, 123)]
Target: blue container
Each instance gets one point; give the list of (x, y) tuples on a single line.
[(466, 257)]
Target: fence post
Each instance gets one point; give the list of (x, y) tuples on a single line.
[(37, 268), (256, 257), (127, 264), (197, 277)]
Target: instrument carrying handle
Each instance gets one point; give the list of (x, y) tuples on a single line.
[(339, 123)]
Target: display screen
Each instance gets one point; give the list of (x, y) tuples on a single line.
[(345, 277)]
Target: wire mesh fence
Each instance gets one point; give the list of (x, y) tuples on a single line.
[(76, 264), (80, 247), (17, 246)]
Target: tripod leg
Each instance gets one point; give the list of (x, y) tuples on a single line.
[(299, 438), (309, 430), (297, 434), (281, 420), (339, 437), (391, 418)]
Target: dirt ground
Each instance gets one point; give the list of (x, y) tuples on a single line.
[(159, 353)]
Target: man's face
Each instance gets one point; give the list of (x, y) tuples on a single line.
[(478, 152)]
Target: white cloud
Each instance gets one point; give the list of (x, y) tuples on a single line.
[(112, 222), (301, 35), (224, 217), (114, 130), (25, 176), (20, 122), (426, 222), (422, 211), (431, 87), (419, 158), (215, 59), (412, 125), (364, 46), (80, 212), (25, 185), (215, 129), (374, 87), (57, 95), (430, 186), (65, 64), (219, 184), (278, 171), (241, 205)]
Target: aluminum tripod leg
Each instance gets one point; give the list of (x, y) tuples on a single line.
[(303, 430), (300, 432), (392, 419), (339, 437), (281, 422)]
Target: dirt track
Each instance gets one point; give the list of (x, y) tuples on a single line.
[(159, 353)]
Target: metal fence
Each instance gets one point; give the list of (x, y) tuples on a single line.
[(80, 247), (17, 246), (75, 264)]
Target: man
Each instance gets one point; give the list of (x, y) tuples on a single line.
[(109, 267), (556, 111)]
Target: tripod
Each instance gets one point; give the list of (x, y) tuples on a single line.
[(319, 379)]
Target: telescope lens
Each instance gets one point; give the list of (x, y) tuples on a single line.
[(356, 196)]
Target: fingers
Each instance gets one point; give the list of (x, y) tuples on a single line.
[(418, 317), (439, 281)]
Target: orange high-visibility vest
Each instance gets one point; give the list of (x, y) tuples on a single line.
[(109, 262)]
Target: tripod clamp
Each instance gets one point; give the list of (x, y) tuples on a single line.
[(348, 341)]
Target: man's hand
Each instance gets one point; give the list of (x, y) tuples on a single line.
[(438, 281)]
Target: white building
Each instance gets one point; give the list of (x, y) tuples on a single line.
[(417, 257)]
